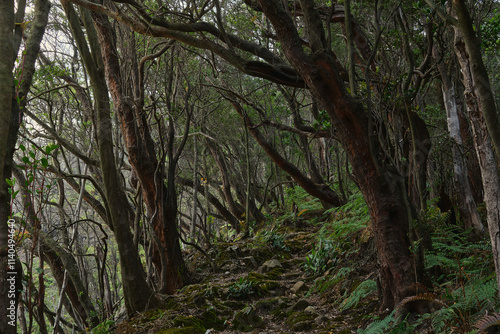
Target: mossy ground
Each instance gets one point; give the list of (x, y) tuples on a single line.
[(265, 303)]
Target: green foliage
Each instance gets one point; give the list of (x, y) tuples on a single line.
[(304, 201), (454, 252), (325, 284), (322, 256), (274, 239), (242, 288), (363, 290), (476, 297), (106, 327), (490, 32), (48, 74), (346, 221), (379, 326)]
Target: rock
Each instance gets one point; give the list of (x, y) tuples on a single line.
[(311, 309), (249, 261), (298, 287), (269, 265), (320, 319), (300, 305), (268, 305), (301, 321), (246, 320)]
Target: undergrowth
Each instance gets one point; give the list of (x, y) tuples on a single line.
[(465, 288)]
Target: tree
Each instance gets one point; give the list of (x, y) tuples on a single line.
[(11, 37), (137, 293), (319, 70)]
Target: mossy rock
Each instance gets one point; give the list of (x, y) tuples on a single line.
[(233, 304), (210, 320), (184, 330), (268, 305), (275, 273), (170, 303), (247, 320), (301, 321), (189, 321)]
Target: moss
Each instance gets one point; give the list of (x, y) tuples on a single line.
[(189, 321), (184, 330), (275, 273), (171, 304), (301, 321), (246, 320), (211, 320), (262, 282), (268, 305)]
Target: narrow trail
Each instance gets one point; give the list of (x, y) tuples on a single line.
[(260, 288)]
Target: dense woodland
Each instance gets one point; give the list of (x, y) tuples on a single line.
[(149, 149)]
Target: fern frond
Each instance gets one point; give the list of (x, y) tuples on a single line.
[(380, 326), (431, 297), (487, 321)]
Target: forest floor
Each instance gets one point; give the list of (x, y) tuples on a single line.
[(316, 273)]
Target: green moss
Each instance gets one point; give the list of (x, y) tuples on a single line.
[(211, 320), (189, 321), (185, 330), (262, 282), (301, 321), (246, 320), (275, 273), (268, 305)]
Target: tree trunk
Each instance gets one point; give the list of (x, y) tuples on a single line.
[(235, 209), (468, 207), (194, 209), (13, 105), (7, 325), (382, 186), (321, 191), (137, 293), (59, 260), (479, 73), (484, 150)]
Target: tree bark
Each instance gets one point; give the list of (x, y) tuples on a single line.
[(381, 184), (6, 93), (484, 151), (137, 293), (320, 191), (479, 74), (468, 206), (15, 101)]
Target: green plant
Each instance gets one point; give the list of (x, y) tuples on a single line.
[(475, 297), (106, 327), (456, 254), (322, 256), (363, 290), (275, 240), (242, 288), (488, 322), (379, 326), (346, 221)]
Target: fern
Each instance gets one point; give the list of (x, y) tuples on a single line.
[(475, 297), (430, 297), (380, 326), (363, 290), (487, 322)]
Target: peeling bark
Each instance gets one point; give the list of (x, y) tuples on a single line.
[(484, 151)]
